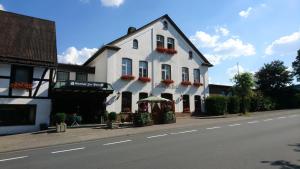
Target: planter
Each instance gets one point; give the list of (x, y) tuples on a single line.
[(144, 79), (62, 127), (161, 50), (167, 82), (186, 83), (21, 85), (127, 77), (166, 50), (197, 84), (171, 51)]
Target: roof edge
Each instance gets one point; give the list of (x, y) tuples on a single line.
[(102, 49)]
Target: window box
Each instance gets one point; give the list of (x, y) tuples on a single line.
[(144, 79), (161, 49), (167, 81), (197, 84), (21, 85), (127, 77), (166, 50), (186, 83), (171, 51)]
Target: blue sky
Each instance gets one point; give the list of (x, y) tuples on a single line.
[(247, 32)]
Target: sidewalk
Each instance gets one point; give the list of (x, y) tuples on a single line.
[(29, 140)]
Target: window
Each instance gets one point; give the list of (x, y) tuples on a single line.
[(126, 66), (143, 106), (80, 76), (126, 101), (63, 76), (197, 75), (22, 74), (143, 69), (185, 74), (190, 55), (13, 115), (167, 96), (186, 103), (165, 72), (171, 43), (165, 25), (160, 41), (135, 44)]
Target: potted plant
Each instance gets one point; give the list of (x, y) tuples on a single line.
[(127, 77), (144, 79), (197, 84), (112, 116), (186, 83), (167, 82), (60, 119)]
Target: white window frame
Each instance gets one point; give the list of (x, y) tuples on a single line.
[(143, 69), (127, 66), (166, 71), (185, 74), (197, 77)]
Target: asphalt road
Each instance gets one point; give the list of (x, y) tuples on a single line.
[(260, 143)]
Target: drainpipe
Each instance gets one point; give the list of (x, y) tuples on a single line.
[(152, 50)]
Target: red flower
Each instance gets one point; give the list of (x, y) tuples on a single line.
[(165, 50), (197, 84), (21, 85), (167, 81), (161, 49), (186, 83), (127, 77), (144, 79), (171, 51)]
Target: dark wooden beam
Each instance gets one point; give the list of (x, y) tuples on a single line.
[(40, 82)]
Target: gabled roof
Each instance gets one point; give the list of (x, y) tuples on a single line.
[(112, 44), (27, 40)]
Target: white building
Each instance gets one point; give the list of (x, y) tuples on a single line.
[(140, 64), (27, 62)]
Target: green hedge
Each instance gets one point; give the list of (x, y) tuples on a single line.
[(142, 119), (216, 105), (169, 117), (112, 116), (233, 104), (60, 118)]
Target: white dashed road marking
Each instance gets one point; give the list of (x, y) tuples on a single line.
[(210, 128), (232, 125), (268, 120), (182, 132), (252, 122), (14, 158), (73, 149), (282, 117), (160, 135), (118, 142)]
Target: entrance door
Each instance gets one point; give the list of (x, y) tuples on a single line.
[(197, 99), (186, 103)]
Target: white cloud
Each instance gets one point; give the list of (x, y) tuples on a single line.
[(75, 56), (224, 31), (284, 45), (234, 70), (112, 3), (235, 48), (2, 7), (203, 39), (245, 13)]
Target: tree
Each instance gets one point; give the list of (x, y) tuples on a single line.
[(243, 88), (273, 77), (296, 66)]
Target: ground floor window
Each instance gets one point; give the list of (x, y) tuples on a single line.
[(126, 102), (143, 106), (186, 103), (167, 96), (13, 115)]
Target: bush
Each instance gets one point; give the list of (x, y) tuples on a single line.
[(216, 105), (112, 116), (233, 104), (245, 104), (142, 119), (260, 103), (71, 118), (169, 117), (60, 118)]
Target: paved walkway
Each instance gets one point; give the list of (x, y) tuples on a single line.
[(29, 140)]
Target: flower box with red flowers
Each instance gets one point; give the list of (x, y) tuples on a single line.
[(186, 83), (161, 49), (144, 79), (21, 85), (171, 51), (197, 84), (167, 81), (127, 77)]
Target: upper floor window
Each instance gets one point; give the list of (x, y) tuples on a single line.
[(190, 55), (171, 43), (197, 75), (143, 69), (81, 76), (165, 25), (22, 74), (160, 41), (126, 66), (185, 74), (135, 44), (166, 72), (63, 76)]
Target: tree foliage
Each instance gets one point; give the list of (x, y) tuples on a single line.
[(273, 76), (296, 66)]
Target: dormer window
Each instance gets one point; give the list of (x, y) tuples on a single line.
[(160, 40), (171, 43), (165, 25), (190, 55), (135, 44)]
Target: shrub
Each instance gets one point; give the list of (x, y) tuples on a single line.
[(245, 104), (169, 117), (142, 119), (60, 118), (260, 103), (71, 118), (112, 116), (216, 105), (233, 104)]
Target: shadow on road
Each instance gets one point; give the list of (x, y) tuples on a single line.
[(285, 164)]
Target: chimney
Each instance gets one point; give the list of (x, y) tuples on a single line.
[(131, 30)]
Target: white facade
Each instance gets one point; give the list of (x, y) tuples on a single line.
[(108, 66), (38, 97)]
